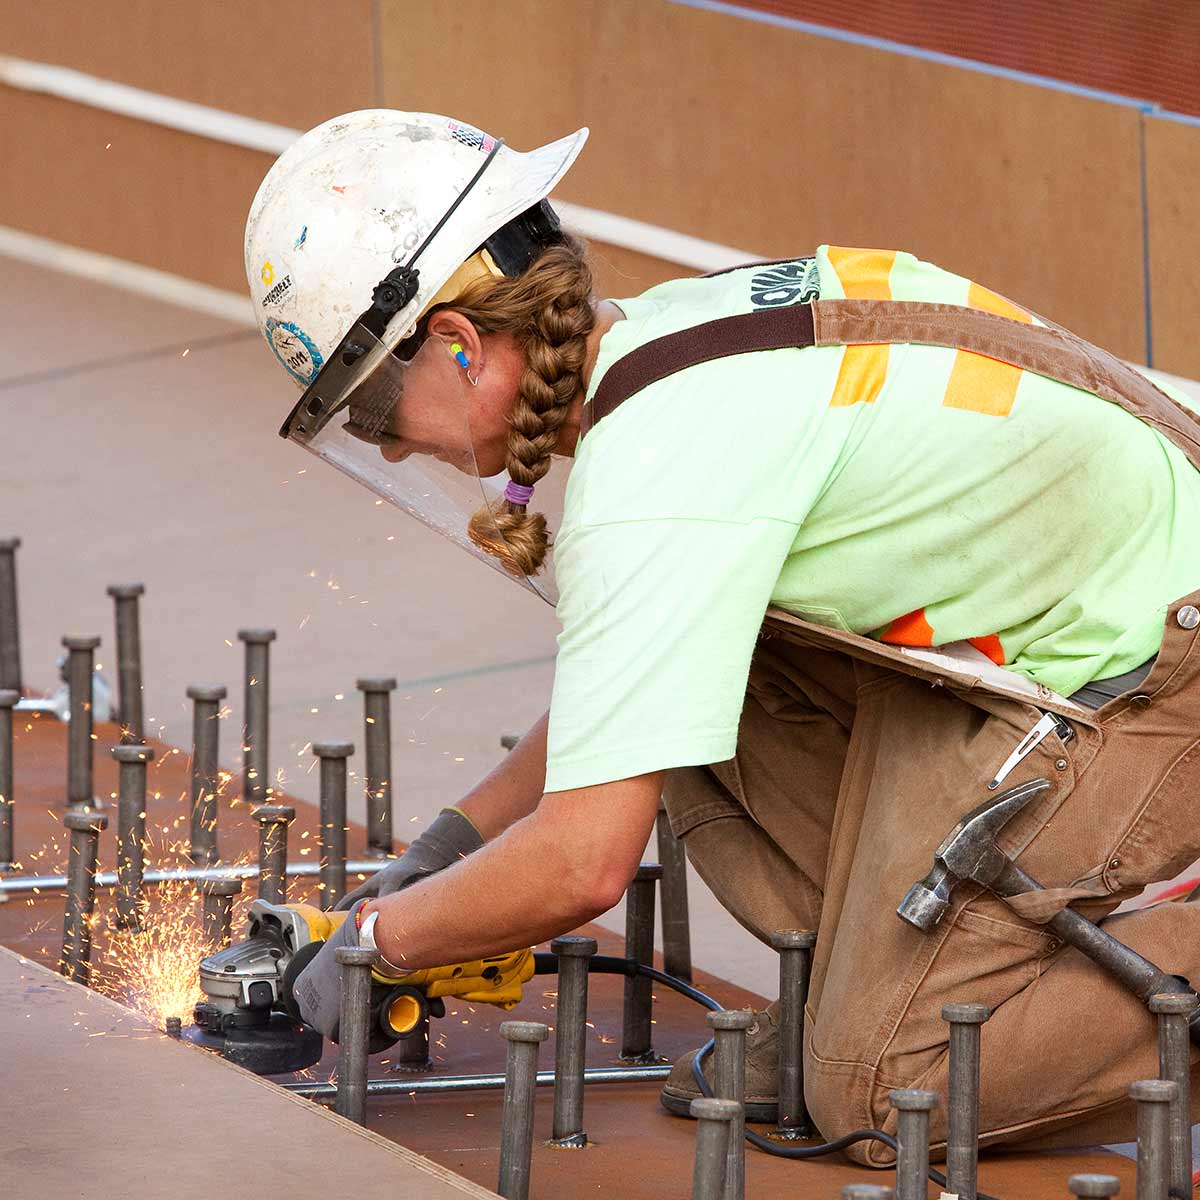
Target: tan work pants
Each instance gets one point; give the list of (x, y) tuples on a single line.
[(847, 776)]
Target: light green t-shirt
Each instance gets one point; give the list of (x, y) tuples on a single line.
[(914, 494)]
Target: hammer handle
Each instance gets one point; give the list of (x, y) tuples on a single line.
[(1138, 974)]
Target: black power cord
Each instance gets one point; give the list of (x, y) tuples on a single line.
[(608, 964)]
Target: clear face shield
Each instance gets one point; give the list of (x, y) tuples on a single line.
[(402, 428)]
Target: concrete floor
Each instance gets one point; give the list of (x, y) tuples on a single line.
[(139, 445)]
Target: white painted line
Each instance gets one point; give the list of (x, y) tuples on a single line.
[(68, 84), (653, 240), (236, 130), (133, 277)]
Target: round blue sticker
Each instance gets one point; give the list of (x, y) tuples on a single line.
[(294, 348)]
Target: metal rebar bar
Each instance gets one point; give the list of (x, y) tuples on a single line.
[(795, 963), (673, 901), (729, 1083), (49, 884), (256, 730), (331, 833), (377, 765), (273, 821), (8, 698), (129, 660), (354, 1031), (912, 1141), (1153, 1098), (570, 1038), (714, 1119), (131, 832), (1174, 1063), (219, 898), (174, 1027), (206, 774), (85, 828), (867, 1191), (10, 629), (636, 1045), (443, 1084), (516, 1125), (81, 656), (962, 1098), (1094, 1185)]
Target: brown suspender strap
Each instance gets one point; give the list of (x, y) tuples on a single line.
[(1048, 351), (771, 329)]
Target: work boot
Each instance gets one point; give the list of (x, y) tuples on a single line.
[(762, 1074)]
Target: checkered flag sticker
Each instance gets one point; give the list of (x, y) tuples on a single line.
[(470, 136)]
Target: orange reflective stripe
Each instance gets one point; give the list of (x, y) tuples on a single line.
[(980, 297), (990, 645), (864, 274), (861, 376), (981, 384), (909, 630)]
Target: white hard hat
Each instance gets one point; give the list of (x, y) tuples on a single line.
[(357, 197), (358, 229)]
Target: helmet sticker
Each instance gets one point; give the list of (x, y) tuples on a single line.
[(294, 348), (268, 273), (299, 242), (281, 292), (470, 136)]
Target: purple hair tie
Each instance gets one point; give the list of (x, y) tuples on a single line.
[(517, 493)]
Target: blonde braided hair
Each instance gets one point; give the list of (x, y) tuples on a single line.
[(548, 310)]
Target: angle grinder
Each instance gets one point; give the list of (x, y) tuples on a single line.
[(250, 1017)]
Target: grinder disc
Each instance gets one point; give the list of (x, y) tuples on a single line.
[(280, 1047)]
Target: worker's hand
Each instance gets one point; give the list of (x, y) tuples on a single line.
[(317, 992), (450, 836)]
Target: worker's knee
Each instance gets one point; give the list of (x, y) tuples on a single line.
[(843, 1098)]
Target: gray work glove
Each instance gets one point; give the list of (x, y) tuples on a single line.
[(317, 990), (451, 836)]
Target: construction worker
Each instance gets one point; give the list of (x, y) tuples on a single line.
[(848, 541)]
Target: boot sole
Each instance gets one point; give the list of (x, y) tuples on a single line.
[(679, 1104)]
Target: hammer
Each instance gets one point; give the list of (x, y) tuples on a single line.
[(969, 853)]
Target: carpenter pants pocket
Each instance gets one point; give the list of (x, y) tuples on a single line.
[(1149, 770), (693, 796), (988, 957)]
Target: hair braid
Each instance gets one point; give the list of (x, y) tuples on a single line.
[(548, 310)]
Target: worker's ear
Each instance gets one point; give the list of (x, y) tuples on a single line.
[(454, 329)]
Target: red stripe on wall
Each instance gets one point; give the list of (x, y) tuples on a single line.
[(1144, 49)]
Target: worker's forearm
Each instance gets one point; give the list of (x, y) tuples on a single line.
[(500, 898), (551, 871), (513, 789)]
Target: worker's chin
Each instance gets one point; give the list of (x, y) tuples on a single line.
[(489, 463)]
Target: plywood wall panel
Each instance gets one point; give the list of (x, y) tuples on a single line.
[(167, 200), (295, 64), (1173, 205), (777, 140), (619, 272)]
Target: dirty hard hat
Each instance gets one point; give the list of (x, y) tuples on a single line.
[(383, 209)]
